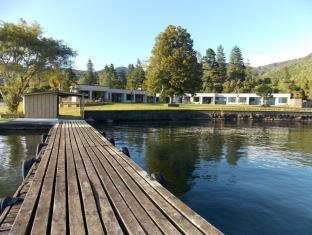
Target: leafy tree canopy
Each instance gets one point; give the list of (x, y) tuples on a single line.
[(173, 67), (136, 76), (24, 52)]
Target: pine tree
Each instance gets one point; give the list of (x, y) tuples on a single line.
[(90, 77), (114, 78), (236, 71), (221, 61), (210, 78)]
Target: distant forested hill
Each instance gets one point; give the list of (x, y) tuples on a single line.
[(293, 76)]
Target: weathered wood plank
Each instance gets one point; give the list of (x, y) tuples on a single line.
[(141, 215), (42, 217), (126, 216), (75, 212), (108, 217), (59, 219), (23, 220), (93, 221), (188, 213), (160, 219)]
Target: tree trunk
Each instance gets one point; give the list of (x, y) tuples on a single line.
[(170, 99)]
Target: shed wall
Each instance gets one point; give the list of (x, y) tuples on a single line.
[(40, 106)]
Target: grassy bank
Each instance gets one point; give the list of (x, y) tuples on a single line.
[(123, 106)]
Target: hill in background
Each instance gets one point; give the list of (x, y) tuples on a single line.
[(293, 76)]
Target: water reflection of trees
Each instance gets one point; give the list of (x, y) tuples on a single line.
[(14, 148), (172, 152), (175, 151)]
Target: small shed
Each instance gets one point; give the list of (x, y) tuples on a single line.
[(46, 104)]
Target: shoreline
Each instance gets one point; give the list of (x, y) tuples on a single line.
[(164, 115), (175, 115)]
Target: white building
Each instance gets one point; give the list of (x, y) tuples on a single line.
[(234, 98), (106, 94)]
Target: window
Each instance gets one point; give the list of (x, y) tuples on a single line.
[(282, 100), (196, 99), (129, 97), (242, 100), (255, 100), (232, 99), (86, 94), (220, 100)]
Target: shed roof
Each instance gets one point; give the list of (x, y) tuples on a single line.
[(59, 93)]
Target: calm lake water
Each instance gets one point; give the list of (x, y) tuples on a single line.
[(15, 146), (243, 178)]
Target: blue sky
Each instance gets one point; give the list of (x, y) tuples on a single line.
[(122, 31)]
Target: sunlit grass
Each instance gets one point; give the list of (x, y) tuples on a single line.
[(123, 106), (7, 119), (3, 109)]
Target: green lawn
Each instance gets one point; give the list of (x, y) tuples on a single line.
[(3, 109), (7, 119), (123, 106)]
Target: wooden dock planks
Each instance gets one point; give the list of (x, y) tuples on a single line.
[(84, 185)]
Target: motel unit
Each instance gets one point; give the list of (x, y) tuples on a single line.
[(236, 98), (107, 94)]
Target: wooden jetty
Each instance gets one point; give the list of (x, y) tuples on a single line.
[(82, 184)]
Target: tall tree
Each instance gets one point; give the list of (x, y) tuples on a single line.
[(24, 53), (136, 76), (113, 76), (173, 68), (122, 77), (236, 71), (249, 82), (90, 77), (221, 61), (108, 76), (210, 78), (236, 68)]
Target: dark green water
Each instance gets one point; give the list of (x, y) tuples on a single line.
[(243, 178), (15, 146)]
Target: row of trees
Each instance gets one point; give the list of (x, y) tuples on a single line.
[(132, 77), (218, 76), (174, 69)]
